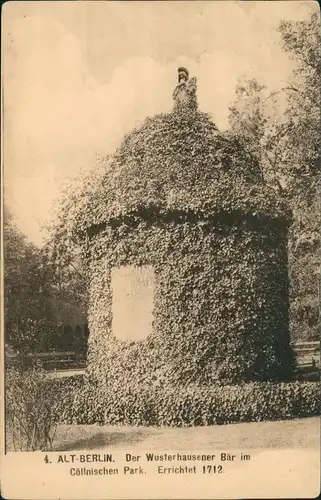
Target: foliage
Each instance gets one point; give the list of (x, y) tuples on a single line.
[(161, 404), (75, 395), (216, 237), (302, 160), (174, 162), (37, 304), (288, 146), (283, 127), (248, 116), (191, 201), (302, 41), (220, 304), (62, 246), (29, 407), (28, 310), (208, 210)]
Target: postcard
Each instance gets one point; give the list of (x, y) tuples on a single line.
[(161, 250)]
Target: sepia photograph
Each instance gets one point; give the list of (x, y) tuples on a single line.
[(161, 249)]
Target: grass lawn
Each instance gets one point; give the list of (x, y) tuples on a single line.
[(300, 433)]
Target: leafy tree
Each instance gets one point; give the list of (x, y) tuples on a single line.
[(302, 162), (62, 249), (302, 116), (247, 115), (288, 146), (39, 304), (69, 274), (28, 312)]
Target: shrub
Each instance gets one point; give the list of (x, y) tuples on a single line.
[(28, 407), (76, 400), (86, 403)]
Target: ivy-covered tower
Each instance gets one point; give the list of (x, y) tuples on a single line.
[(188, 253)]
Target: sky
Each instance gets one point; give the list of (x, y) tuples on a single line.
[(78, 75)]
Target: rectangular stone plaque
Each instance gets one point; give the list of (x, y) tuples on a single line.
[(132, 301)]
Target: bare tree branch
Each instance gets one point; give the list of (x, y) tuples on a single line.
[(279, 91)]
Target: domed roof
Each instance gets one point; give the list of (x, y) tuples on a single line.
[(181, 163)]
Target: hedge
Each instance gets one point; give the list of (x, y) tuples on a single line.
[(82, 402)]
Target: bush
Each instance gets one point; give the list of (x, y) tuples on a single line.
[(75, 396), (29, 408), (86, 403)]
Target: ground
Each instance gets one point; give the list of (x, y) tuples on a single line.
[(299, 433)]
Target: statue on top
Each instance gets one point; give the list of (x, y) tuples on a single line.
[(185, 92)]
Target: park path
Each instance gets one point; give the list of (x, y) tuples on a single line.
[(298, 433)]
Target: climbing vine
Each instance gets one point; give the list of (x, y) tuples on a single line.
[(190, 201)]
